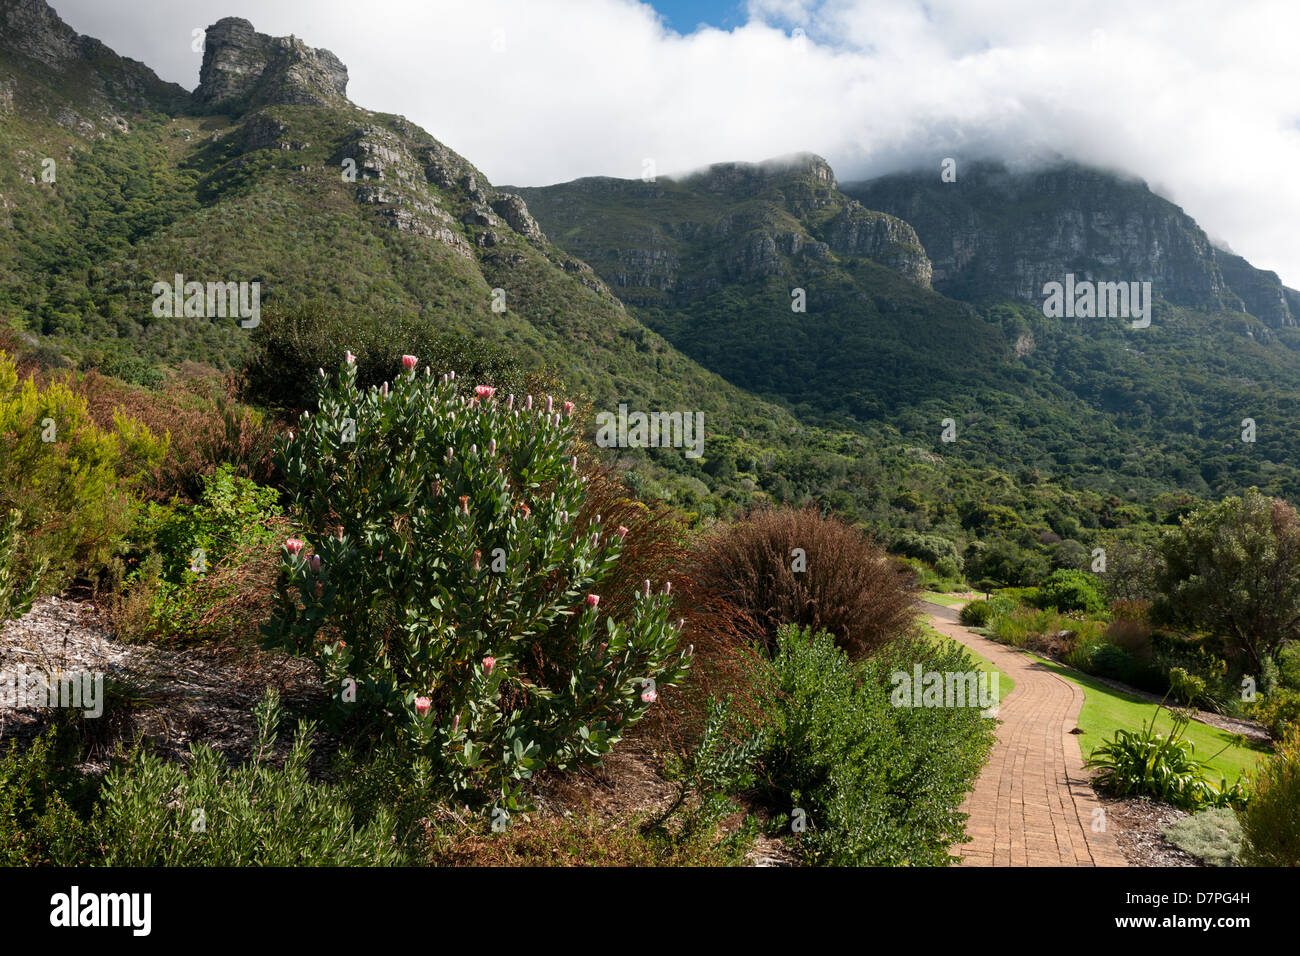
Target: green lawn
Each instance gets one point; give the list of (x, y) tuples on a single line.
[(1106, 710), (947, 600), (1005, 683)]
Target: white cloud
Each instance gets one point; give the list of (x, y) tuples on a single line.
[(1201, 98)]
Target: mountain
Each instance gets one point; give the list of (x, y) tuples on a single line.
[(903, 339), (267, 173), (994, 233), (827, 337)]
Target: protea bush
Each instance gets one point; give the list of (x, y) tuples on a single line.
[(441, 579)]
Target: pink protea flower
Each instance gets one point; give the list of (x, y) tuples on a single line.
[(593, 600), (647, 587), (550, 405), (492, 446), (383, 390), (349, 358), (649, 695), (422, 705), (455, 724), (568, 408), (510, 401), (668, 587), (409, 362), (622, 532), (484, 391), (489, 662), (529, 404), (292, 545), (314, 562)]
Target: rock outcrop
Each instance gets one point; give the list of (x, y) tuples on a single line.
[(995, 233), (245, 69)]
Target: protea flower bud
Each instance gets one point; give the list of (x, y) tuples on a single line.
[(383, 390), (668, 587), (550, 404), (529, 404), (568, 408), (597, 519), (422, 705), (314, 562), (564, 517), (489, 663), (451, 453), (574, 462), (464, 504), (477, 561), (409, 362), (321, 371), (292, 545), (510, 401), (593, 600), (473, 449), (492, 446), (349, 358), (455, 724), (647, 587), (622, 532)]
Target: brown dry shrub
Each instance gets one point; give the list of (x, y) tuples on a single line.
[(850, 587), (1133, 636), (204, 422), (224, 607)]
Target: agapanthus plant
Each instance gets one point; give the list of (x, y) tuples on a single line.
[(441, 582)]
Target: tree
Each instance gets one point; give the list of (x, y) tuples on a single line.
[(1234, 569)]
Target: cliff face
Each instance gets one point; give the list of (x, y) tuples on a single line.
[(88, 87), (995, 233), (242, 67), (676, 240)]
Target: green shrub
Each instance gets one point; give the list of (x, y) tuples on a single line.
[(155, 813), (20, 581), (877, 784), (44, 802), (1271, 821), (200, 568), (936, 551), (1146, 763), (69, 479), (1278, 711), (450, 593), (975, 614), (1069, 590), (1288, 664)]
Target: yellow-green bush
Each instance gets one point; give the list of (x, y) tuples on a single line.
[(68, 478), (1271, 821)]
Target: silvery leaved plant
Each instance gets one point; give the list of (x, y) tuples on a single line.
[(442, 587)]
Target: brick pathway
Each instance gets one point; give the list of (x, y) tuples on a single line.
[(1032, 805)]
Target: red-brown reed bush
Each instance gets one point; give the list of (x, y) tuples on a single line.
[(783, 565)]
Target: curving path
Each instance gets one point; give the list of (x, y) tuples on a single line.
[(1033, 804)]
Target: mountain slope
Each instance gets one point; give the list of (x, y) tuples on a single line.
[(1130, 411)]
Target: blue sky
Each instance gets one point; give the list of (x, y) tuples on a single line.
[(685, 15)]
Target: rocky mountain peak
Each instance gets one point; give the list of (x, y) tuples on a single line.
[(244, 68), (743, 180)]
